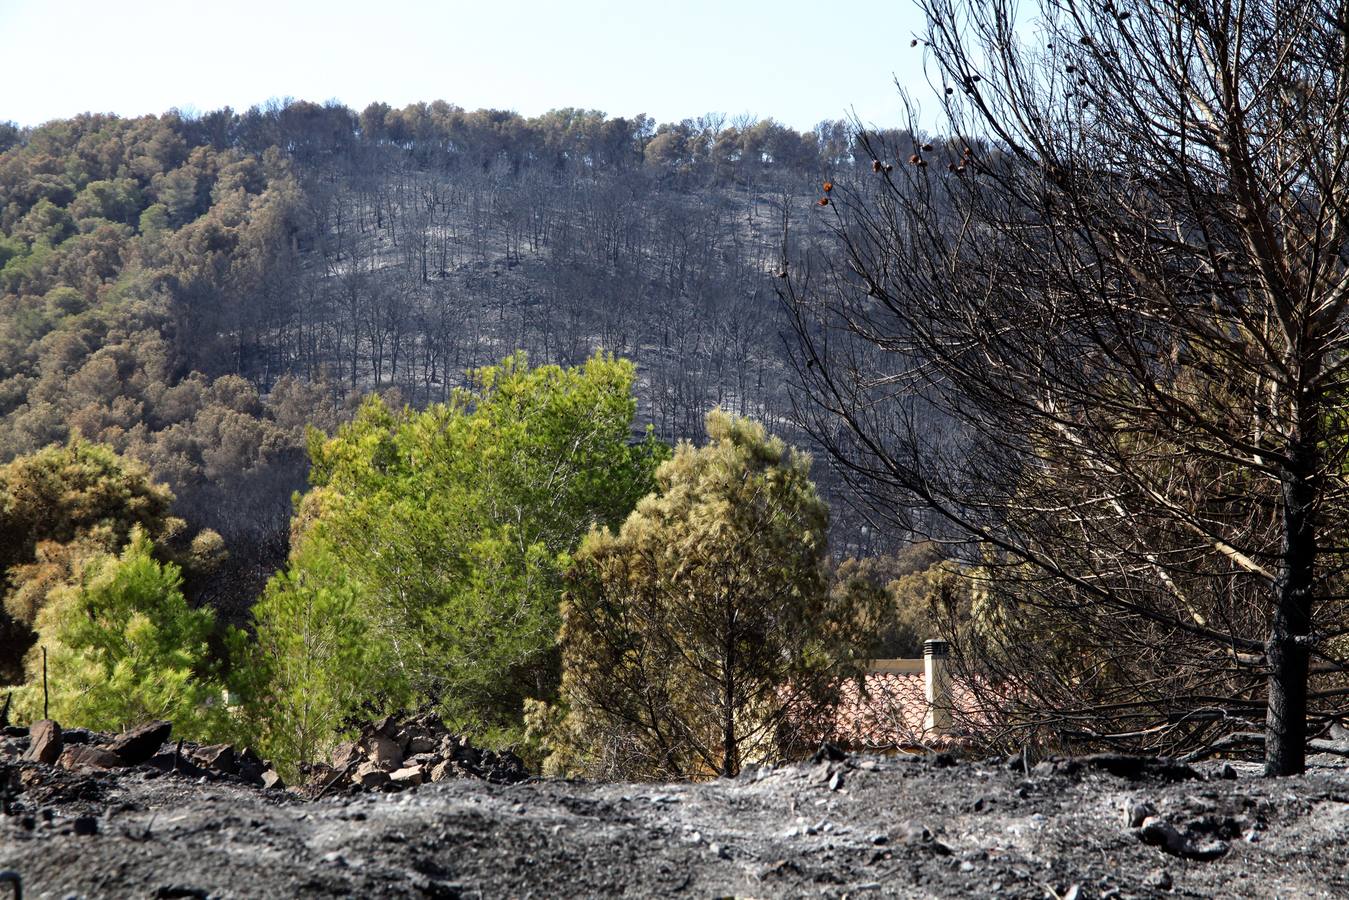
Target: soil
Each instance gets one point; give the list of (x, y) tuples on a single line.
[(858, 826)]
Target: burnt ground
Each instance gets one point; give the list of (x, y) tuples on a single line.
[(856, 827)]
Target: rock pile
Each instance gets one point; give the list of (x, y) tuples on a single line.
[(390, 755), (82, 750), (387, 756)]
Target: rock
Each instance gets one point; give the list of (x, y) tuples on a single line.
[(248, 766), (421, 743), (219, 757), (383, 751), (14, 731), (87, 756), (913, 833), (77, 736), (345, 755), (1206, 851), (369, 775), (1135, 811), (828, 753), (272, 781), (139, 744), (443, 771), (86, 826), (408, 776), (1227, 773), (44, 742), (1159, 879), (1160, 833), (836, 781)]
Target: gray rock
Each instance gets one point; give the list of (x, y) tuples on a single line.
[(1135, 811), (1160, 879)]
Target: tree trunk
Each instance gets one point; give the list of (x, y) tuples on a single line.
[(1288, 647), (730, 763)]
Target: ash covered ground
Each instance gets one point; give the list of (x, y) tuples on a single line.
[(845, 826), (409, 810)]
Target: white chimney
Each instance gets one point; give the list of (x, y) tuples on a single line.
[(937, 686)]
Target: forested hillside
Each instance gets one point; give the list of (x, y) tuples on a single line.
[(194, 291)]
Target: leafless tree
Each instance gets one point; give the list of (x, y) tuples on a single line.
[(1100, 331)]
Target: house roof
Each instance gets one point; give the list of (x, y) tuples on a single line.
[(887, 712)]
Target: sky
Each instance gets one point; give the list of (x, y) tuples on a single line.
[(798, 62)]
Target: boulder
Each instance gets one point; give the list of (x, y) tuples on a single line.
[(219, 757), (1161, 833), (139, 744), (44, 742), (87, 756), (345, 755), (369, 775), (408, 776), (443, 771), (420, 742), (272, 781), (383, 751), (249, 766)]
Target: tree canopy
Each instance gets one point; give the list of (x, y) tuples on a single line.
[(453, 526), (701, 634), (123, 647)]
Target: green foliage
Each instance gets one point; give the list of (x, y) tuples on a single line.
[(315, 664), (702, 634), (59, 508), (921, 591), (453, 526), (124, 647)]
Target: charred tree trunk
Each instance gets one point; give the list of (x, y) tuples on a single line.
[(1288, 649)]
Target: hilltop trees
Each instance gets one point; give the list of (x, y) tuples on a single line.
[(701, 634), (1110, 346)]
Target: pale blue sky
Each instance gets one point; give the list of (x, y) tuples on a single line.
[(796, 61)]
